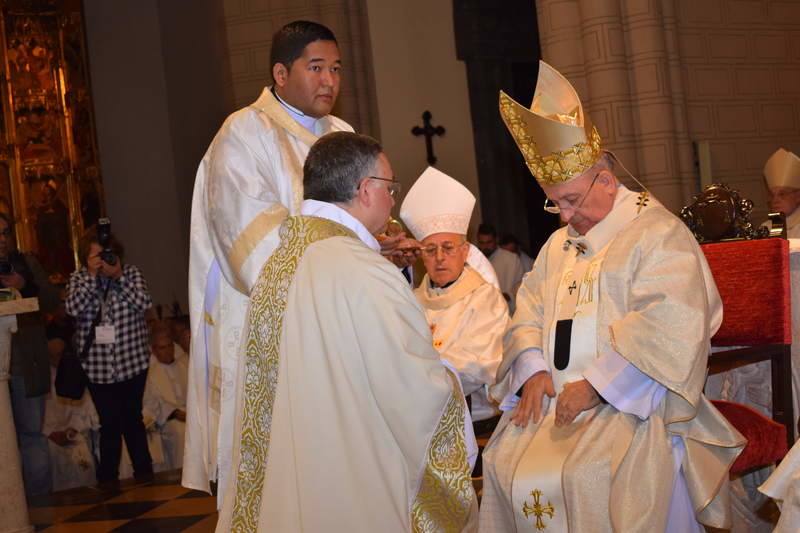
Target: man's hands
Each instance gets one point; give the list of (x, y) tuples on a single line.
[(537, 385), (178, 414), (400, 250), (576, 397)]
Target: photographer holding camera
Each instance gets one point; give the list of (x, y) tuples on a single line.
[(108, 300), (30, 367)]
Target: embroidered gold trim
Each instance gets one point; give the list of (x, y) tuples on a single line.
[(554, 168), (257, 229), (443, 502), (262, 359)]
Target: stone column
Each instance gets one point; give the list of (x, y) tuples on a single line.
[(13, 507)]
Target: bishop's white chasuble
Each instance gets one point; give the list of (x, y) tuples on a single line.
[(347, 419), (641, 294), (249, 180)]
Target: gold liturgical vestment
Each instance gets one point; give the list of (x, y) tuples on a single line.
[(347, 421)]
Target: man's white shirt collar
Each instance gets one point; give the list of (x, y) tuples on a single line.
[(309, 123), (315, 208)]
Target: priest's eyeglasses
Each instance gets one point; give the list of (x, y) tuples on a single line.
[(394, 188), (552, 207), (448, 248)]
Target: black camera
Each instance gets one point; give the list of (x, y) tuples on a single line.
[(104, 240), (6, 268)]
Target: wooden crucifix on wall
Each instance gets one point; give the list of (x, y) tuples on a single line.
[(428, 130)]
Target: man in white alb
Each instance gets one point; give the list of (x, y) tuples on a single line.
[(248, 182)]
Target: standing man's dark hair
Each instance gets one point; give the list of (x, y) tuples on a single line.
[(289, 42)]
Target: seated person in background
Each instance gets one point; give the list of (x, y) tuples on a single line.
[(165, 395), (70, 427), (782, 174), (181, 332), (467, 315), (507, 265), (509, 242)]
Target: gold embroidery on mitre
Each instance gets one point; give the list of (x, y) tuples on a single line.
[(556, 167), (207, 318), (538, 510), (262, 360)]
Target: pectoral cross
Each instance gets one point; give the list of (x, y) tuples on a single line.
[(428, 131), (644, 197), (538, 509)]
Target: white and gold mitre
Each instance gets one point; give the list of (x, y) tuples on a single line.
[(437, 203), (783, 170), (557, 140)]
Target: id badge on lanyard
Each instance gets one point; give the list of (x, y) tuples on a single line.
[(105, 333)]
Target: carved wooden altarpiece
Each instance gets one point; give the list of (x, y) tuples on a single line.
[(50, 181)]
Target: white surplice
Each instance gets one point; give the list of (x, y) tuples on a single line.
[(248, 182), (468, 320), (509, 270), (164, 393), (72, 465)]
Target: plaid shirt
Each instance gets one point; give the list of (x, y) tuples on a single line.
[(127, 301)]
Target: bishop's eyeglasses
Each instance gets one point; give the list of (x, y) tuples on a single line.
[(448, 248), (394, 188), (552, 207)]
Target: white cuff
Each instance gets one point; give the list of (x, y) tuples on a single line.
[(624, 386), (524, 366)]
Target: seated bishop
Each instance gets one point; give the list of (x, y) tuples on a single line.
[(467, 315), (605, 426)]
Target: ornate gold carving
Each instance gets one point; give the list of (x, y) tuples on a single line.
[(267, 308), (538, 510), (554, 168), (445, 495)]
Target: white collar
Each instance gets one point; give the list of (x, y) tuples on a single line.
[(315, 208), (309, 123), (626, 207)]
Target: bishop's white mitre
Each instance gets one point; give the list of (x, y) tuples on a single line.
[(782, 170), (437, 203)]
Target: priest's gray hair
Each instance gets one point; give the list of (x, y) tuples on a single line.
[(336, 164)]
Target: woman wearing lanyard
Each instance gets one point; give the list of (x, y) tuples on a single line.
[(108, 300)]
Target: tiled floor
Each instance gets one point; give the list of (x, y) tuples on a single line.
[(162, 506)]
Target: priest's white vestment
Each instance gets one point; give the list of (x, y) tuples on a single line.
[(784, 486), (249, 180), (348, 421), (164, 393), (72, 465), (645, 308), (468, 320), (508, 267)]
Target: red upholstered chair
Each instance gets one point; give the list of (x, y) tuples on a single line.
[(753, 281), (766, 440)]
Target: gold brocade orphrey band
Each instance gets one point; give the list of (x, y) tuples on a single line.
[(554, 168)]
